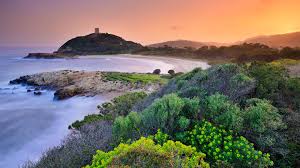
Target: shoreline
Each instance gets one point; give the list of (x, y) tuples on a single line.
[(171, 60), (69, 83)]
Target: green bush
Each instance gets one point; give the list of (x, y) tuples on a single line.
[(123, 104), (227, 79), (292, 93), (270, 79), (90, 119), (222, 145), (261, 121), (165, 114), (169, 114), (145, 153), (222, 111), (125, 128)]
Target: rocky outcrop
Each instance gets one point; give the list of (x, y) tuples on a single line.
[(68, 83), (92, 44)]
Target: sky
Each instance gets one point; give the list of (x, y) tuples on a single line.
[(52, 22)]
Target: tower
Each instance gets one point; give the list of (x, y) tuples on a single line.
[(97, 31)]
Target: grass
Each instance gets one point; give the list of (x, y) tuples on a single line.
[(134, 77)]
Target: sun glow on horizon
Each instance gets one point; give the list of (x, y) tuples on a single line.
[(145, 21)]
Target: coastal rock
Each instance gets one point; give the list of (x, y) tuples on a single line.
[(37, 93), (68, 83)]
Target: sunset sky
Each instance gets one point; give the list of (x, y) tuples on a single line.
[(52, 22)]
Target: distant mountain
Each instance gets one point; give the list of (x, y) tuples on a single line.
[(92, 44), (278, 40), (185, 43)]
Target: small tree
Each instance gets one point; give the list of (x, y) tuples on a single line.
[(171, 72), (156, 71)]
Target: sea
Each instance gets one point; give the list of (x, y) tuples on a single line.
[(29, 124)]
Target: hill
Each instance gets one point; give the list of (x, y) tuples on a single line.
[(184, 44), (278, 40), (92, 44)]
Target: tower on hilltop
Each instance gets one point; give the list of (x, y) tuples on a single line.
[(97, 30)]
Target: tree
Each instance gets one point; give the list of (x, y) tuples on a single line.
[(156, 71), (171, 72)]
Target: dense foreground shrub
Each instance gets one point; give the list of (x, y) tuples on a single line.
[(261, 122), (222, 145), (170, 113), (145, 153), (219, 109), (78, 149)]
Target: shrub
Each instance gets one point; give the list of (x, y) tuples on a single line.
[(123, 104), (145, 153), (125, 128), (171, 72), (78, 149), (165, 113), (160, 138), (90, 119), (227, 79), (222, 145), (169, 114), (119, 106), (222, 111), (261, 121), (156, 71), (292, 93), (169, 88), (270, 79)]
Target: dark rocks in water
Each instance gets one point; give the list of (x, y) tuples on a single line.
[(92, 44), (37, 93), (29, 90)]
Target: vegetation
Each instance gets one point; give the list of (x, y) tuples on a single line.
[(168, 114), (222, 145), (237, 115), (246, 52), (78, 149), (119, 106), (90, 119), (134, 77), (122, 105), (145, 153)]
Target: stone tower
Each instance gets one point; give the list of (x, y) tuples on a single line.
[(97, 31)]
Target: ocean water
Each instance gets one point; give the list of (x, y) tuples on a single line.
[(32, 124)]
